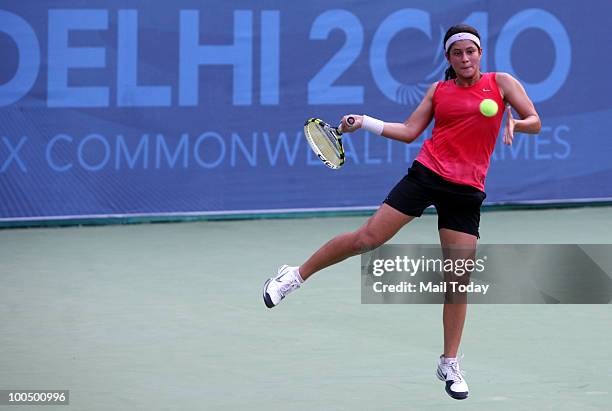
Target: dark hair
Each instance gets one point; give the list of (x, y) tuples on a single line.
[(459, 28)]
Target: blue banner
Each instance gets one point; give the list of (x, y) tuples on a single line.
[(128, 108)]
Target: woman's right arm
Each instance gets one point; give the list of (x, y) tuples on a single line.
[(409, 130)]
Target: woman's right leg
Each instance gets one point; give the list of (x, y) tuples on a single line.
[(376, 231), (379, 228)]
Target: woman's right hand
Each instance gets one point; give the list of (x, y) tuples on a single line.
[(349, 127)]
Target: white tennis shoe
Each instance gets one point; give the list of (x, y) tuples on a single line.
[(449, 372), (277, 288)]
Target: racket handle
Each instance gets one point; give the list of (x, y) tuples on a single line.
[(350, 121)]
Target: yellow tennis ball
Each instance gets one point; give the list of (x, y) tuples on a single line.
[(488, 107)]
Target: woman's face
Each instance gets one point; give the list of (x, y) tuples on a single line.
[(464, 57)]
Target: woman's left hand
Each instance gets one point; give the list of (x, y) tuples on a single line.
[(509, 128)]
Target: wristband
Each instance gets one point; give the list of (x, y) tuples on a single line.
[(373, 125)]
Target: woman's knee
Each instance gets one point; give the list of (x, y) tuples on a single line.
[(367, 240)]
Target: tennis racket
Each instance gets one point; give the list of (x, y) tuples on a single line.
[(326, 141)]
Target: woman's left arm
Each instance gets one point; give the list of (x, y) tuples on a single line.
[(514, 94)]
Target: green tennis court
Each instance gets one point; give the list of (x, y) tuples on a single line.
[(170, 316)]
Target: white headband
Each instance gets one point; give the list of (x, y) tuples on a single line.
[(460, 36)]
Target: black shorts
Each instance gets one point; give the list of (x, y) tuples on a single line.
[(458, 205)]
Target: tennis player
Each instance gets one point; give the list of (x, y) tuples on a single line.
[(449, 172)]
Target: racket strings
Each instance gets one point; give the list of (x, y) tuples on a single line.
[(325, 134), (326, 142), (332, 139)]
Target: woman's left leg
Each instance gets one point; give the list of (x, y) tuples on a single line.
[(455, 245)]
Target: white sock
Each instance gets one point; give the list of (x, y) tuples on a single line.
[(296, 274), (448, 360)]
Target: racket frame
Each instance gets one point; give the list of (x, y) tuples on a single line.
[(336, 133)]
